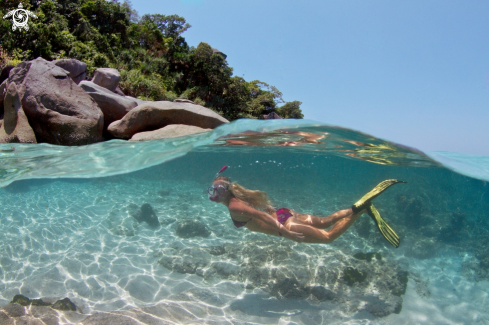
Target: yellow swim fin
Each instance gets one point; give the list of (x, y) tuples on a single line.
[(384, 228), (376, 191)]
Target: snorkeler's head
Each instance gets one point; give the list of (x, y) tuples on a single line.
[(219, 188)]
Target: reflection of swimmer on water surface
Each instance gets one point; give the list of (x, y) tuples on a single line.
[(256, 139), (376, 153), (308, 137), (251, 209)]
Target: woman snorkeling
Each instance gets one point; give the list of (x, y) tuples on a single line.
[(252, 209)]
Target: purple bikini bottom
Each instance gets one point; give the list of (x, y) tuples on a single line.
[(283, 214)]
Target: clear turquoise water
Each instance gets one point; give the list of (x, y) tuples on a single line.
[(68, 229)]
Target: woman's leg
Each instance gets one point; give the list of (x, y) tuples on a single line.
[(319, 236), (321, 222)]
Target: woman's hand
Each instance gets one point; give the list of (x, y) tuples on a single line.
[(295, 236)]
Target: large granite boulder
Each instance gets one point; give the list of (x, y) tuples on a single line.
[(107, 77), (216, 51), (169, 131), (155, 115), (137, 100), (112, 105), (271, 116), (15, 126), (3, 89), (58, 111), (76, 68), (183, 100), (4, 73)]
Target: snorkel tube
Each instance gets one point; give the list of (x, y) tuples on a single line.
[(221, 170), (216, 194)]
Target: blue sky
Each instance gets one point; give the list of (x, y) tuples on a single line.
[(413, 72)]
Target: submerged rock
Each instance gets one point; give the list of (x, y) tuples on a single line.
[(24, 301), (64, 304), (14, 310), (164, 192), (400, 287), (368, 256), (147, 214), (452, 233), (192, 228), (217, 250), (120, 230), (423, 248), (322, 294), (364, 227), (186, 261), (352, 276), (285, 272)]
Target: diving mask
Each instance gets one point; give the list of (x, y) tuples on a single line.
[(215, 190)]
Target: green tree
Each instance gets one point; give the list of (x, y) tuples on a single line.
[(290, 110), (151, 54)]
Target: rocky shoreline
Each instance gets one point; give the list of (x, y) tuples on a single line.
[(51, 102)]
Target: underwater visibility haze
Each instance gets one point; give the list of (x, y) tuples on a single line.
[(127, 228)]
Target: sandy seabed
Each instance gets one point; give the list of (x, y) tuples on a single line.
[(79, 239)]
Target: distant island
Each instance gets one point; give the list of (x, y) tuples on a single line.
[(153, 58)]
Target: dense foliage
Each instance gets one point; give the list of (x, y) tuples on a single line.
[(155, 61)]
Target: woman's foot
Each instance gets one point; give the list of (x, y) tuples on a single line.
[(376, 191)]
